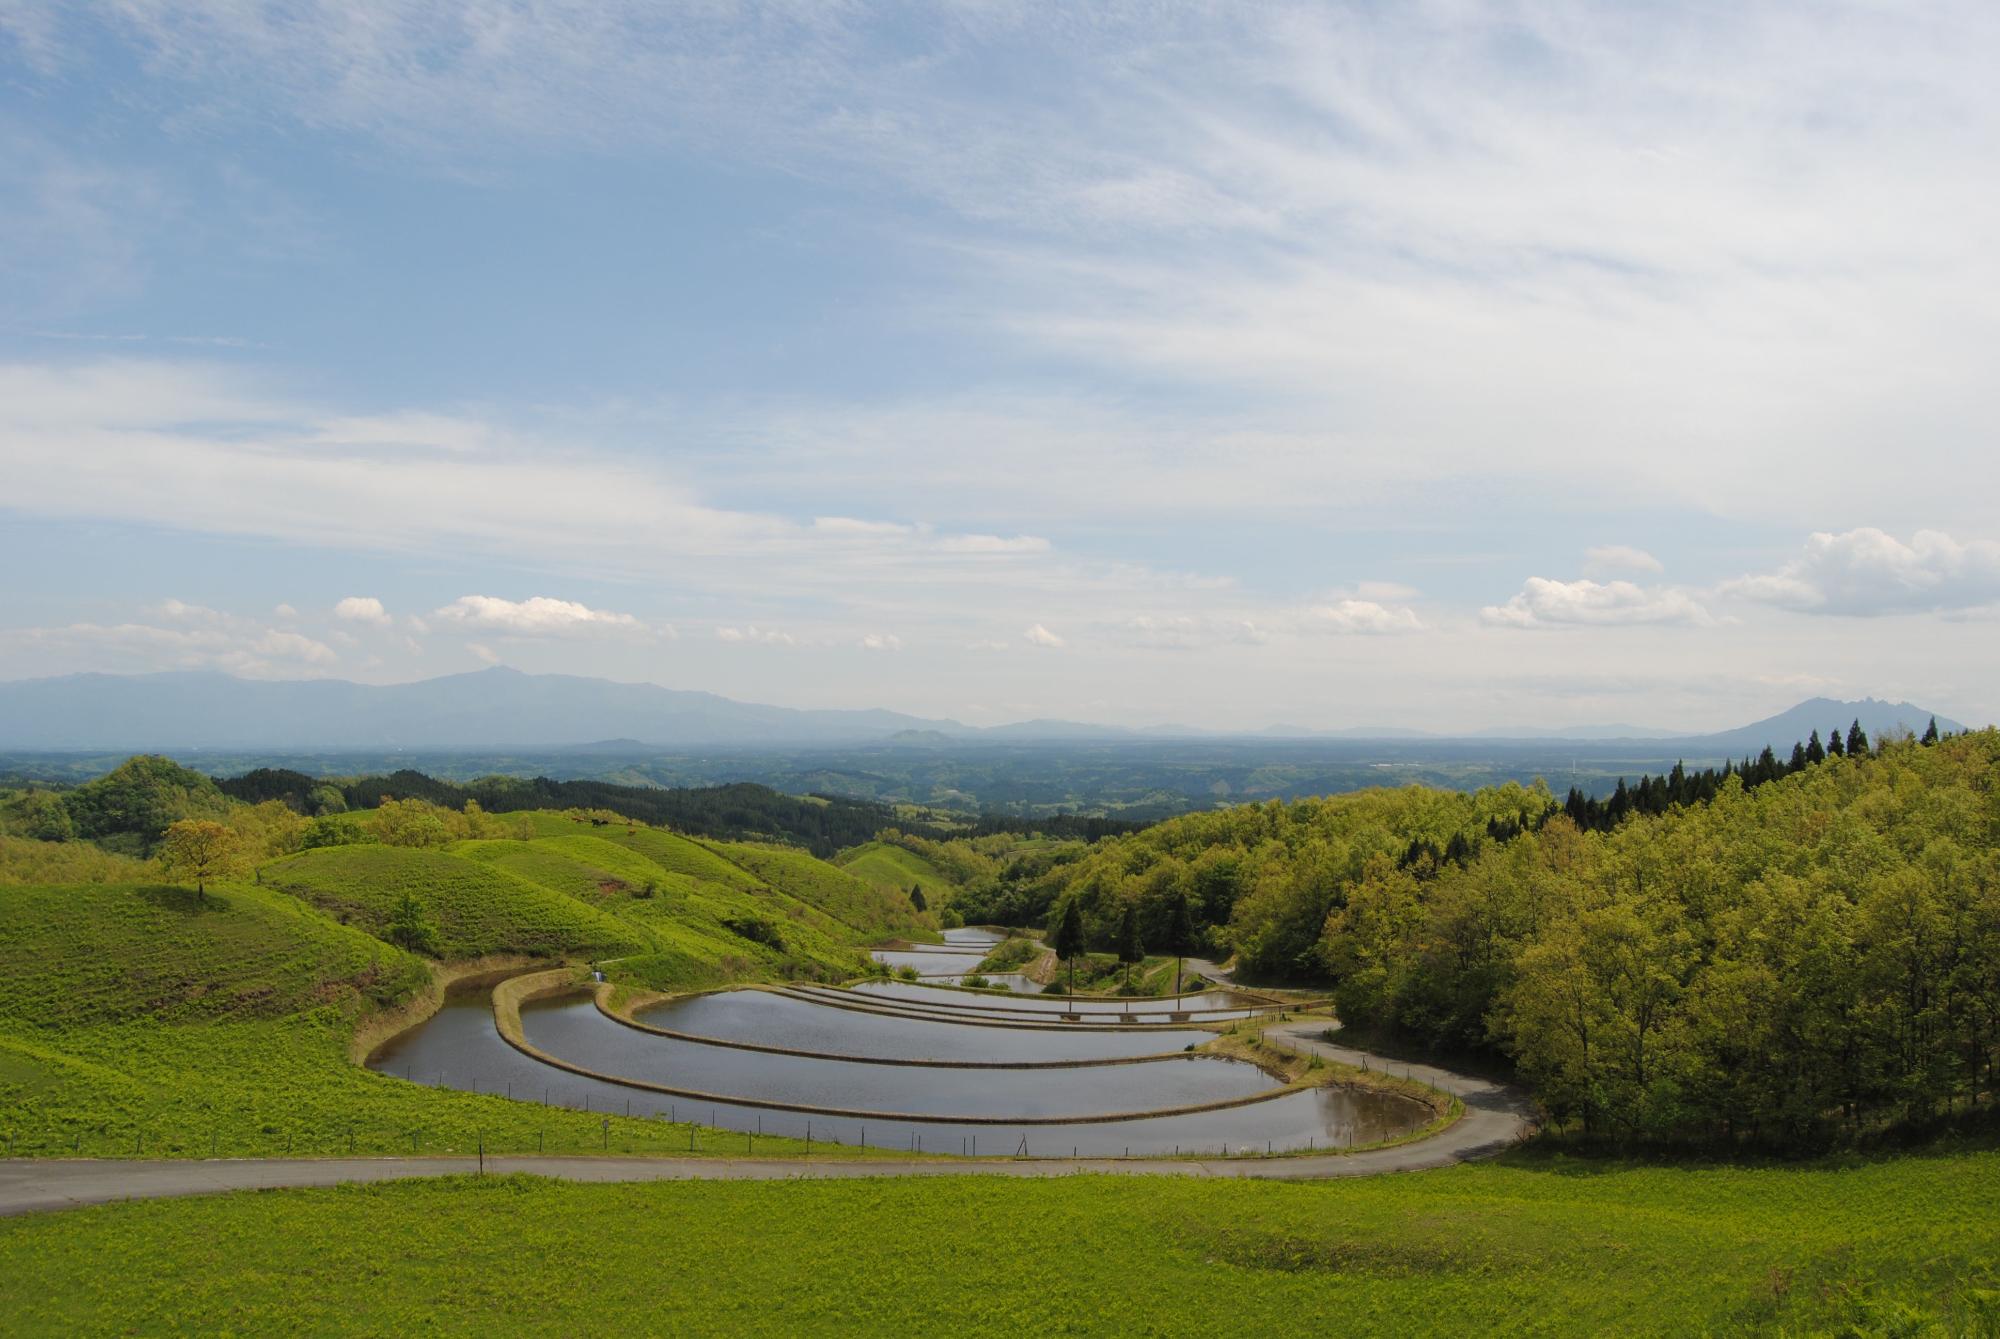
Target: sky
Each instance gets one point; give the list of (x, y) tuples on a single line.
[(1433, 364)]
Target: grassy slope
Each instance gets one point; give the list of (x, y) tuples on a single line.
[(1514, 1248), (894, 869), (478, 909), (868, 910), (133, 1019)]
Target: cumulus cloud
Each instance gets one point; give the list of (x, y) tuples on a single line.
[(1869, 572), (1037, 635), (537, 616), (1543, 603), (361, 609), (1364, 617), (1620, 558), (753, 635), (484, 652), (881, 641), (285, 611)]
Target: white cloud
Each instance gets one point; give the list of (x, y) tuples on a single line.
[(1037, 635), (537, 616), (484, 652), (1543, 603), (233, 645), (285, 611), (753, 635), (361, 609), (880, 641), (1361, 616), (1620, 558), (182, 612), (1869, 571)]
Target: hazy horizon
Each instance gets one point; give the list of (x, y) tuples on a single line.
[(1323, 365)]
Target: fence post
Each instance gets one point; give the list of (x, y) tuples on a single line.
[(482, 1154)]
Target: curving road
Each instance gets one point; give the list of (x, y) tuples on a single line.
[(1496, 1117)]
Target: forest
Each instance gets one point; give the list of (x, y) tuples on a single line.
[(1800, 955)]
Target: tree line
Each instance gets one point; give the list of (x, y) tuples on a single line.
[(822, 824), (1792, 956)]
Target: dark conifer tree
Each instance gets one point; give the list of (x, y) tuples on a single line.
[(1815, 751), (1857, 740), (1931, 732), (1834, 747), (1131, 949), (1067, 940), (1800, 759)]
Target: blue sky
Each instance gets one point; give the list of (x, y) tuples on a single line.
[(1439, 364)]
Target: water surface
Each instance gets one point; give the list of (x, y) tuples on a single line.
[(770, 1019), (576, 1031), (460, 1047)]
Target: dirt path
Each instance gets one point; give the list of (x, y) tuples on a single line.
[(1495, 1118)]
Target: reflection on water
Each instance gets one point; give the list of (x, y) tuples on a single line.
[(769, 1019), (577, 1032), (460, 1047), (1042, 1010), (1208, 1002)]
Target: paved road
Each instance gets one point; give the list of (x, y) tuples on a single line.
[(1495, 1118)]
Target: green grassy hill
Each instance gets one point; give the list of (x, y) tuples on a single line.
[(896, 870), (868, 910), (135, 1018), (478, 908)]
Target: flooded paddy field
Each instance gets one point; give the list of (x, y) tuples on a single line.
[(578, 1032), (763, 1017), (461, 1047)]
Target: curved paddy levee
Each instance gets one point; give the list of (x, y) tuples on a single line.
[(959, 955), (461, 1047), (764, 1017), (1208, 1001), (931, 961), (835, 998), (579, 1034)]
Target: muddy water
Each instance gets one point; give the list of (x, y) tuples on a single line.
[(460, 1047)]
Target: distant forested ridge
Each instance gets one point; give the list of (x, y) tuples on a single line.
[(821, 824), (1795, 953)]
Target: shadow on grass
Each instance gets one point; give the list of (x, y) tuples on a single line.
[(1565, 1154), (168, 897)]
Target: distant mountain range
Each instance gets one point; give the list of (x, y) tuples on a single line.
[(504, 708)]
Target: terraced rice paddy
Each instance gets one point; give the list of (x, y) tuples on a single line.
[(892, 1075), (759, 1016), (1210, 1006)]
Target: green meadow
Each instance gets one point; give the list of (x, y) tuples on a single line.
[(1904, 1246)]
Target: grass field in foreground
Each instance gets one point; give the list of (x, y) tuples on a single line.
[(1908, 1245)]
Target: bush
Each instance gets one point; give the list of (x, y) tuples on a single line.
[(755, 930)]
